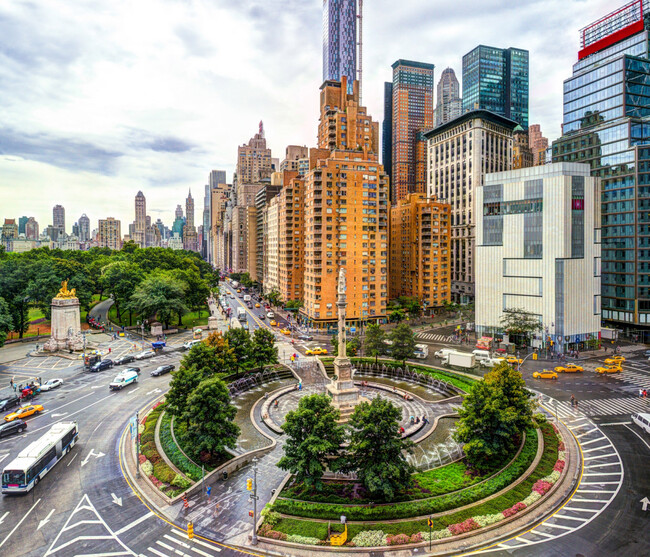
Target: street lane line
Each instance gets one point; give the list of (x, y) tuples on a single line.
[(615, 423), (134, 523), (605, 464), (563, 517), (21, 521), (559, 526), (581, 509), (597, 491), (587, 432), (592, 441), (172, 549), (599, 455), (601, 474), (196, 550), (69, 463), (635, 433), (597, 448)]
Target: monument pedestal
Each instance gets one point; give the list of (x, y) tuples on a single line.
[(345, 396), (66, 326)]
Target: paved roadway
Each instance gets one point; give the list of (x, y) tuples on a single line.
[(84, 505)]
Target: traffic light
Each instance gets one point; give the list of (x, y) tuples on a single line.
[(249, 484), (250, 513), (190, 530)]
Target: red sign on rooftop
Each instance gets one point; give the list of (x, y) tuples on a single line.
[(612, 28)]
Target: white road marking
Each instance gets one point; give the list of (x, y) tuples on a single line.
[(212, 547), (21, 521), (92, 453), (69, 463), (157, 552), (2, 519), (3, 457), (134, 523), (45, 520), (635, 433)]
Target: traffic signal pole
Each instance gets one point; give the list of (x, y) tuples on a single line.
[(254, 538)]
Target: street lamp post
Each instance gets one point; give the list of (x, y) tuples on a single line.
[(254, 497), (522, 362)]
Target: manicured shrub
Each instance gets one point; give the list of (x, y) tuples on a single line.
[(181, 482), (416, 538), (369, 538), (295, 538), (147, 468), (517, 507), (163, 472), (463, 527)]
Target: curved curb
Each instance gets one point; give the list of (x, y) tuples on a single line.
[(161, 451)]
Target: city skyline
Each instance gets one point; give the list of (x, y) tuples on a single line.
[(92, 118)]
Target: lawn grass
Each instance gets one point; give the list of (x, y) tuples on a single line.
[(34, 313), (190, 319)]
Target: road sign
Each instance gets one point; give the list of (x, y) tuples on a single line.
[(430, 522), (353, 329)]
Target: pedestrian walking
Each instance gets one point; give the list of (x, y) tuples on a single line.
[(208, 491), (640, 393), (645, 393), (573, 401), (11, 383), (576, 403)]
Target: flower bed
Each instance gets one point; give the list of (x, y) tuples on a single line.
[(417, 508), (153, 465), (479, 516), (189, 468)]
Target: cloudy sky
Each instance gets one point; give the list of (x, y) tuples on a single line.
[(101, 99)]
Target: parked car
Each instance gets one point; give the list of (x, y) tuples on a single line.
[(145, 354), (124, 360), (161, 370), (24, 412), (513, 361), (305, 337), (9, 402), (102, 365), (17, 426), (569, 368), (51, 384), (545, 374), (318, 351)]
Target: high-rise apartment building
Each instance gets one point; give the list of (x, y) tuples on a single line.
[(84, 228), (449, 104), (9, 229), (340, 41), (522, 155), (460, 154), (607, 125), (293, 156), (21, 225), (538, 249), (538, 144), (291, 239), (496, 79), (420, 259), (271, 251), (254, 160), (345, 213), (138, 231), (58, 217), (109, 233), (387, 129), (31, 229), (264, 196), (190, 238), (413, 113)]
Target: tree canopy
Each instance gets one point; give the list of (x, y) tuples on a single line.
[(403, 342), (374, 342)]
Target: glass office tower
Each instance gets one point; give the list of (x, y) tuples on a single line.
[(496, 79), (340, 40), (607, 124)]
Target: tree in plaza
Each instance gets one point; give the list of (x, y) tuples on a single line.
[(313, 438), (410, 305), (293, 304), (209, 414), (120, 279), (6, 322), (263, 349), (493, 417), (352, 347), (374, 343), (239, 340), (519, 322), (403, 342), (159, 295), (377, 451), (183, 383), (211, 357), (396, 316)]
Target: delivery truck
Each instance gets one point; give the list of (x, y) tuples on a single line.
[(460, 359)]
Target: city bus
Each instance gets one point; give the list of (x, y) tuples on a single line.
[(24, 472)]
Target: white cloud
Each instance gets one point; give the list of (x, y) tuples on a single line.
[(103, 99)]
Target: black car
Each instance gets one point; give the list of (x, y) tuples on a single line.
[(101, 366), (305, 337), (160, 370), (17, 426), (124, 360), (9, 402)]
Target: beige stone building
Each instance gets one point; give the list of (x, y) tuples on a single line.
[(459, 155), (293, 155), (109, 233), (420, 257)]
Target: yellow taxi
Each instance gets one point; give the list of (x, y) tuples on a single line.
[(285, 331), (609, 369), (273, 323), (238, 290), (513, 361), (569, 368), (316, 351), (617, 360), (545, 374), (257, 305), (24, 412)]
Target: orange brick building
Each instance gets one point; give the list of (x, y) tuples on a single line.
[(420, 265), (345, 213), (291, 236)]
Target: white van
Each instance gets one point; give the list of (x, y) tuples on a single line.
[(643, 421), (270, 315), (123, 379), (481, 354), (443, 353), (490, 362), (188, 345)]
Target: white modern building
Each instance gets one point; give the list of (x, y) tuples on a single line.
[(272, 248), (538, 249)]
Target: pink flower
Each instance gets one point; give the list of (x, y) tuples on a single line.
[(517, 507), (142, 459), (559, 466), (463, 527), (542, 487), (560, 446), (416, 538), (398, 539)]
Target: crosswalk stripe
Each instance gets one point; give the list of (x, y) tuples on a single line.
[(592, 441), (157, 552), (212, 547)]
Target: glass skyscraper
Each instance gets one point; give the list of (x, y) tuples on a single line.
[(496, 79), (340, 40), (607, 125)]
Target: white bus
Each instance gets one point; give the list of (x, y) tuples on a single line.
[(421, 351), (24, 472)]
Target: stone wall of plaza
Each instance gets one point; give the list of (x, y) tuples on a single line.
[(460, 153), (538, 248), (291, 239), (420, 260), (346, 225)]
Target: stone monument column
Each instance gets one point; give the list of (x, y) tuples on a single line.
[(65, 322), (345, 396)]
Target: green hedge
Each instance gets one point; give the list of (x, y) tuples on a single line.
[(189, 468), (419, 508), (498, 504)]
